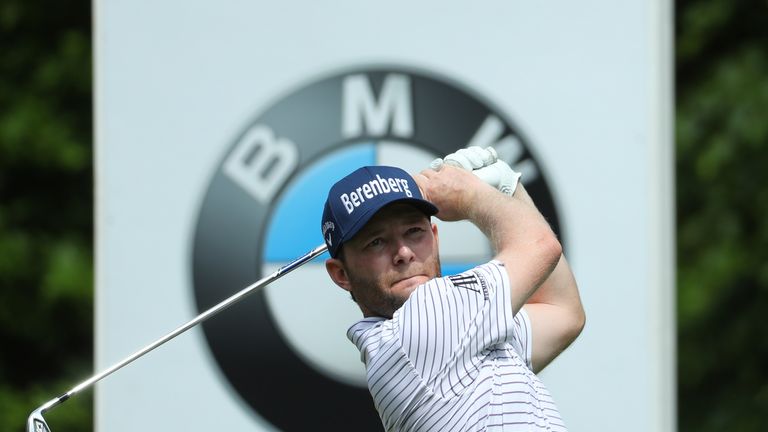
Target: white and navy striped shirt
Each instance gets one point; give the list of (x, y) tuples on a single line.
[(454, 358)]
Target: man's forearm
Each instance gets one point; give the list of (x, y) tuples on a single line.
[(560, 287), (522, 238), (556, 314)]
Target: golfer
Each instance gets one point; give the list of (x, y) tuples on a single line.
[(457, 352)]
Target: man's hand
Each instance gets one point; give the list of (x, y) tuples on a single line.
[(455, 192)]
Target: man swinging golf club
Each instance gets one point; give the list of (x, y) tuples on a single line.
[(457, 352)]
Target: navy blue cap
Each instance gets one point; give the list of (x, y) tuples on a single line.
[(353, 200)]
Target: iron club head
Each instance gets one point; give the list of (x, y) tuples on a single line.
[(36, 422)]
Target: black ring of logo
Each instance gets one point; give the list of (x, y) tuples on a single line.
[(229, 236)]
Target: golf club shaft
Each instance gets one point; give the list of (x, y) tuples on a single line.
[(298, 262)]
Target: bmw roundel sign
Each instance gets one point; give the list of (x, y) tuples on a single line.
[(283, 350)]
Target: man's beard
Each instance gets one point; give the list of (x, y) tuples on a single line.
[(378, 298)]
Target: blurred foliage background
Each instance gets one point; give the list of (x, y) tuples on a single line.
[(46, 212), (722, 214)]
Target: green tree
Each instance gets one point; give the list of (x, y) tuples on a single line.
[(722, 214), (45, 209)]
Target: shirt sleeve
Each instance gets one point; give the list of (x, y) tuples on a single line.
[(450, 324), (522, 340)]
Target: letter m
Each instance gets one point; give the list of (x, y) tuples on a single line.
[(363, 114)]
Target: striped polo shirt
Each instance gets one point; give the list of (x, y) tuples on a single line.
[(455, 358)]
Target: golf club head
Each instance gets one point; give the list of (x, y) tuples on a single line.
[(36, 422)]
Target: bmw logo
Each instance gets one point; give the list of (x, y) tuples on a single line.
[(284, 350)]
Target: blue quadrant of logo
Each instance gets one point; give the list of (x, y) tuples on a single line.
[(295, 225)]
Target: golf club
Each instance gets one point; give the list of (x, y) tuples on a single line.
[(36, 422)]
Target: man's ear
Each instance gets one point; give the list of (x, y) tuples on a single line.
[(434, 233), (338, 274)]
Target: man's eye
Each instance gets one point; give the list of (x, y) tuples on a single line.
[(415, 230), (374, 242)]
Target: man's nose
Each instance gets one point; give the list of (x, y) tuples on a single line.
[(403, 254)]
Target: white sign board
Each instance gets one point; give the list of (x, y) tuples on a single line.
[(221, 125)]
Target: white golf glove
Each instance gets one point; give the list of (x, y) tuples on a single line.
[(470, 158), (499, 175), (485, 164)]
